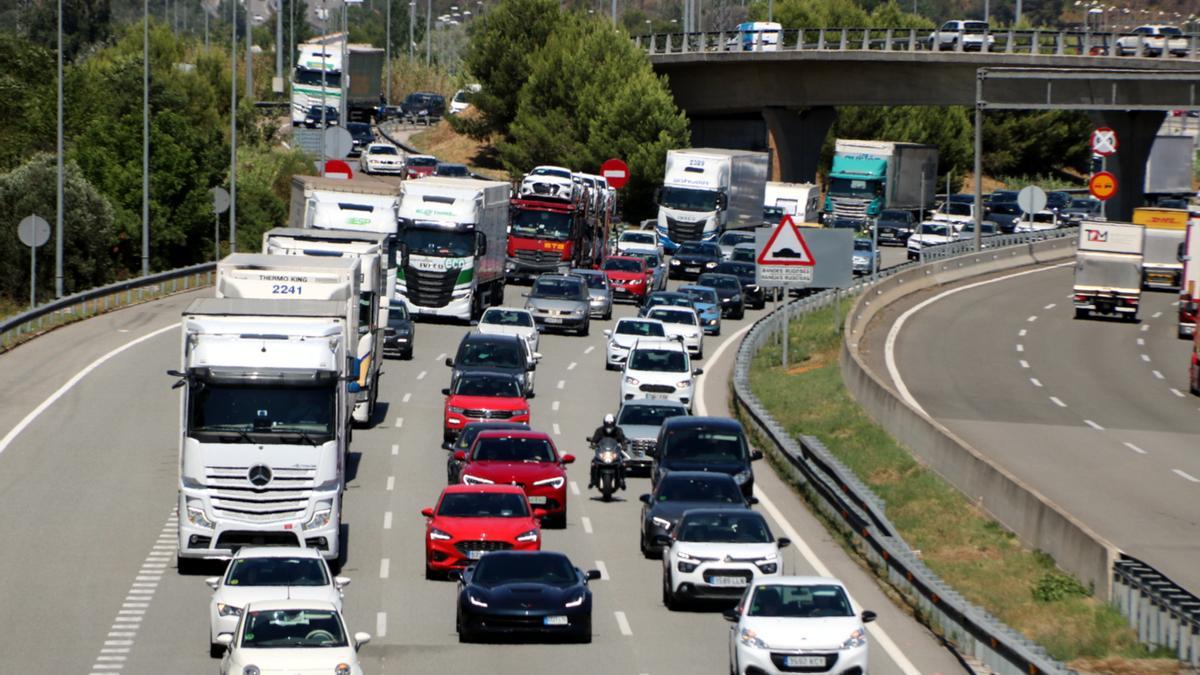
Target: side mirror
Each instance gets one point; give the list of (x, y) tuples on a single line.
[(593, 575), (447, 445), (361, 639), (213, 582), (756, 455), (524, 295), (225, 639), (646, 499), (480, 243), (568, 459), (455, 575), (449, 362), (176, 373), (537, 356), (607, 332), (731, 615), (540, 513), (752, 500), (868, 616), (658, 195), (427, 512), (784, 542), (460, 456), (446, 392), (697, 371), (474, 322), (662, 540), (722, 201), (341, 582)]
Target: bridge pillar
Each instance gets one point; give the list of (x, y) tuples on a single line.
[(797, 138), (1136, 130), (739, 131)]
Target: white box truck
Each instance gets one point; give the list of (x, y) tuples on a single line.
[(453, 240), (1162, 262), (1108, 269), (1170, 165), (798, 200), (869, 176), (264, 426), (1189, 286), (706, 191)]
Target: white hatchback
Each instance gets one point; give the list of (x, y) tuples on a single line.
[(291, 636), (268, 573), (659, 369), (682, 323), (624, 335), (714, 554)]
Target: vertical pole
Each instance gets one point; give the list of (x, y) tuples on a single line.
[(205, 9), (32, 276), (977, 209), (324, 79), (770, 10), (1104, 202), (343, 111), (412, 20), (58, 216), (428, 35), (233, 126), (279, 41), (1017, 14), (387, 92), (837, 309), (216, 236), (787, 327), (145, 142), (875, 245), (249, 57), (614, 13)]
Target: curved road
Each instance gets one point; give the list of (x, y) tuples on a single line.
[(1094, 414), (88, 475)]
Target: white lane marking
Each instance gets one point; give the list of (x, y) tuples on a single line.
[(554, 406), (574, 488), (623, 623), (421, 375), (1050, 306), (1036, 382), (587, 524), (1093, 425), (1185, 475), (1145, 327), (381, 624), (1146, 358), (1022, 333), (1058, 402), (1141, 342), (441, 357), (556, 430), (1024, 363), (399, 422), (1178, 393), (603, 570), (1158, 375), (562, 383), (1134, 448), (391, 483), (384, 567), (387, 520), (571, 365), (1020, 347), (590, 349), (58, 393), (395, 449), (894, 332), (1032, 318), (1156, 315), (122, 330), (407, 398)]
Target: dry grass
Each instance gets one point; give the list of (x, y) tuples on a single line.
[(449, 146)]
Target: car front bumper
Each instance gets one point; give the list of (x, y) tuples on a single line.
[(220, 542), (546, 321), (704, 583), (446, 555), (837, 661)]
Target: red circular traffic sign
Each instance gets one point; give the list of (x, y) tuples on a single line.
[(616, 172), (1104, 142), (1103, 185), (336, 168)]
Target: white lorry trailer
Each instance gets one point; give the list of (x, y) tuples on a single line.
[(264, 426), (1162, 264), (1108, 269), (1170, 166), (453, 240), (1189, 286), (798, 200), (706, 191)]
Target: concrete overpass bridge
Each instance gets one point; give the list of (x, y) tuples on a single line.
[(785, 98)]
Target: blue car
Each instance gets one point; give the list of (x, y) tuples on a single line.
[(708, 306)]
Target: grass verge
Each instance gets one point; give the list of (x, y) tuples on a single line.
[(966, 548), (447, 145)]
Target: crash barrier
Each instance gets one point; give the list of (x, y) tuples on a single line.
[(1163, 614), (388, 129), (848, 501), (1027, 42), (85, 304)]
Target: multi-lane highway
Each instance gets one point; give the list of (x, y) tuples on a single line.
[(88, 475), (1095, 414)]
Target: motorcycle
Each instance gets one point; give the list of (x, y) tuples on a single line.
[(607, 466)]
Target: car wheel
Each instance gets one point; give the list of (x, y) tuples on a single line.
[(741, 314), (587, 327), (585, 633), (700, 354), (187, 565), (608, 313), (647, 552), (1081, 313), (447, 437), (668, 598), (464, 636), (609, 366), (431, 574), (558, 522)]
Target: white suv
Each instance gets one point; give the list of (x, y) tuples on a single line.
[(716, 553), (682, 323), (624, 335), (633, 242), (969, 35), (659, 369)]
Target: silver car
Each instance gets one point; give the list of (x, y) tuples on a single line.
[(658, 268), (560, 301), (599, 292), (640, 420)]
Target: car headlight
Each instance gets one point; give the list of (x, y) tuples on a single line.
[(574, 603), (468, 479), (683, 384), (742, 476), (661, 522), (857, 639), (636, 282), (687, 567), (710, 264), (713, 322), (520, 413), (768, 568), (456, 410), (749, 638), (250, 670), (342, 669), (228, 610), (531, 535), (329, 485), (632, 381), (438, 535), (476, 601), (195, 516), (191, 483), (752, 287), (554, 483), (674, 261), (320, 517)]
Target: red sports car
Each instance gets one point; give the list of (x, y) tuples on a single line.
[(470, 520), (628, 276), (527, 459), (478, 397)]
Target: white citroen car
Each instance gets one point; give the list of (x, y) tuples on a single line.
[(511, 321), (715, 553), (659, 369), (268, 573), (797, 624), (381, 158), (682, 323), (291, 636), (622, 337)]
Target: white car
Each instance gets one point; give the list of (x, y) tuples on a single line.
[(550, 181), (268, 573), (970, 35), (682, 323), (797, 624), (714, 554), (512, 321), (291, 636), (381, 158), (929, 233), (624, 335), (1042, 221), (633, 242), (955, 214), (1153, 40), (659, 369)]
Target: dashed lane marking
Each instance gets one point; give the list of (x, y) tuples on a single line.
[(1093, 425), (395, 449), (1185, 475), (623, 624), (1050, 306), (1058, 402), (562, 384), (1134, 448), (1036, 382), (1022, 333), (557, 432), (384, 568), (421, 375), (387, 520), (407, 398), (1178, 393), (1146, 358), (1020, 347), (381, 624), (574, 488), (1024, 363), (1032, 318), (571, 365), (441, 357), (590, 349), (1141, 342), (603, 570), (399, 422), (554, 406), (1145, 327), (1156, 315), (1158, 375), (587, 524), (391, 483)]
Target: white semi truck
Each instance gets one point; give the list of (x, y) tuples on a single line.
[(453, 240), (1108, 269), (264, 426), (317, 79), (706, 191)]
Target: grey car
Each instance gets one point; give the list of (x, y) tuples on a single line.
[(600, 295), (658, 267), (679, 492), (640, 420), (560, 302)]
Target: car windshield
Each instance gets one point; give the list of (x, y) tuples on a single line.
[(651, 260), (850, 187), (592, 279), (397, 315), (698, 444), (483, 505), (640, 328), (313, 77), (698, 248), (545, 224), (1087, 204), (743, 254), (292, 628), (422, 160), (490, 354), (621, 265), (273, 571), (862, 245), (470, 432), (658, 360), (231, 412), (441, 243), (725, 527), (735, 238), (737, 269), (451, 170), (1170, 30), (705, 296), (481, 385), (685, 199), (648, 415), (936, 229), (539, 568), (637, 237), (1005, 208), (382, 150), (956, 209), (507, 317), (669, 299), (513, 449), (570, 289), (669, 316), (890, 216), (720, 489), (719, 282), (816, 600), (550, 171)]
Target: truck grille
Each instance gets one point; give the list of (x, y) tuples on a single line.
[(481, 414), (468, 546), (429, 289), (680, 232), (536, 257), (849, 207), (284, 497)]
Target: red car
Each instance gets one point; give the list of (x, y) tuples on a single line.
[(628, 276), (478, 397), (470, 520), (527, 459), (419, 166)]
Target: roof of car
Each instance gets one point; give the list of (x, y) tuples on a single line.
[(489, 337), (664, 344), (494, 426), (703, 421), (276, 552), (795, 581), (657, 402), (582, 272), (672, 308), (637, 318), (561, 277), (697, 475), (459, 488), (513, 433), (625, 257), (268, 605), (719, 512)]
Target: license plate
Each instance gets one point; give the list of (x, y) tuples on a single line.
[(727, 581), (558, 621), (474, 555), (656, 396), (691, 269), (804, 661), (552, 319), (537, 500)]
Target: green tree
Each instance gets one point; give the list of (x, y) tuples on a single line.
[(29, 121), (1035, 143), (948, 128), (85, 23)]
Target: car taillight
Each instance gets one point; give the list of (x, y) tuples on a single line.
[(1080, 298)]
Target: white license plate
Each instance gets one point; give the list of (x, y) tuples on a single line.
[(537, 500), (691, 269), (557, 621), (552, 319), (656, 396), (727, 581), (804, 661), (474, 555)]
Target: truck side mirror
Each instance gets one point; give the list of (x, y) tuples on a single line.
[(658, 195), (722, 201), (480, 243)]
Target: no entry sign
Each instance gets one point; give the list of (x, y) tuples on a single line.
[(616, 172)]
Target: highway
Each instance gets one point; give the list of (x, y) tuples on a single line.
[(1094, 414), (88, 470)]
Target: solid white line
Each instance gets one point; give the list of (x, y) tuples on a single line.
[(1134, 448), (571, 365), (399, 422), (58, 393), (1022, 333), (384, 566), (1158, 375), (1141, 342), (1146, 358), (556, 430), (421, 375), (1050, 306), (603, 570), (587, 524), (1032, 318), (391, 483), (381, 624), (1156, 315), (1020, 347), (574, 488), (407, 398), (562, 383), (590, 349), (623, 623), (1178, 393), (894, 332), (1185, 475), (1058, 402), (554, 406), (395, 449), (1036, 382), (1093, 425), (1024, 363), (387, 520)]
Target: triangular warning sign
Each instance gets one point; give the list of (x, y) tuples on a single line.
[(786, 247)]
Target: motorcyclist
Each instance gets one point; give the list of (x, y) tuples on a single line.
[(608, 430)]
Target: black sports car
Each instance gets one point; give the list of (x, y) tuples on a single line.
[(679, 491), (525, 592)]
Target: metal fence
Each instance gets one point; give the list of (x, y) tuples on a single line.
[(29, 324), (1163, 614)]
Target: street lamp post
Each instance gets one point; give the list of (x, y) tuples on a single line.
[(412, 20), (428, 34), (58, 216), (233, 126), (388, 74), (145, 138)]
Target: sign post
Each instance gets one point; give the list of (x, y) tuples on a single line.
[(220, 204), (1031, 199), (33, 231)]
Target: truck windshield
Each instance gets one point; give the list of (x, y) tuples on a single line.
[(240, 412), (438, 242), (313, 77), (542, 224), (852, 187), (685, 199)]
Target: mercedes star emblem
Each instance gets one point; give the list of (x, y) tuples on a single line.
[(259, 475)]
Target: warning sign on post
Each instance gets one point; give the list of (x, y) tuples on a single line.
[(791, 257), (785, 259)]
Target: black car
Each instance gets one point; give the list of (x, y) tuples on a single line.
[(729, 290), (448, 170), (752, 293), (538, 592), (1058, 200), (466, 438), (312, 119), (895, 226), (399, 333), (507, 354), (1006, 215), (716, 444), (360, 133), (843, 223), (679, 491), (669, 298), (424, 105), (1000, 196), (693, 258), (1085, 208)]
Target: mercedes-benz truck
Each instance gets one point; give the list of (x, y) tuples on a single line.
[(706, 191), (869, 176)]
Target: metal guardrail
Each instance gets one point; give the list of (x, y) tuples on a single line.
[(31, 323), (1027, 42), (1163, 614)]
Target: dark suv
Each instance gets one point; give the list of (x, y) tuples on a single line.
[(894, 227), (729, 290), (693, 258), (399, 333), (505, 354), (360, 133), (715, 444), (424, 105), (312, 119)]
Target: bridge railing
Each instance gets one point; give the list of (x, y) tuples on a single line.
[(1026, 42)]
